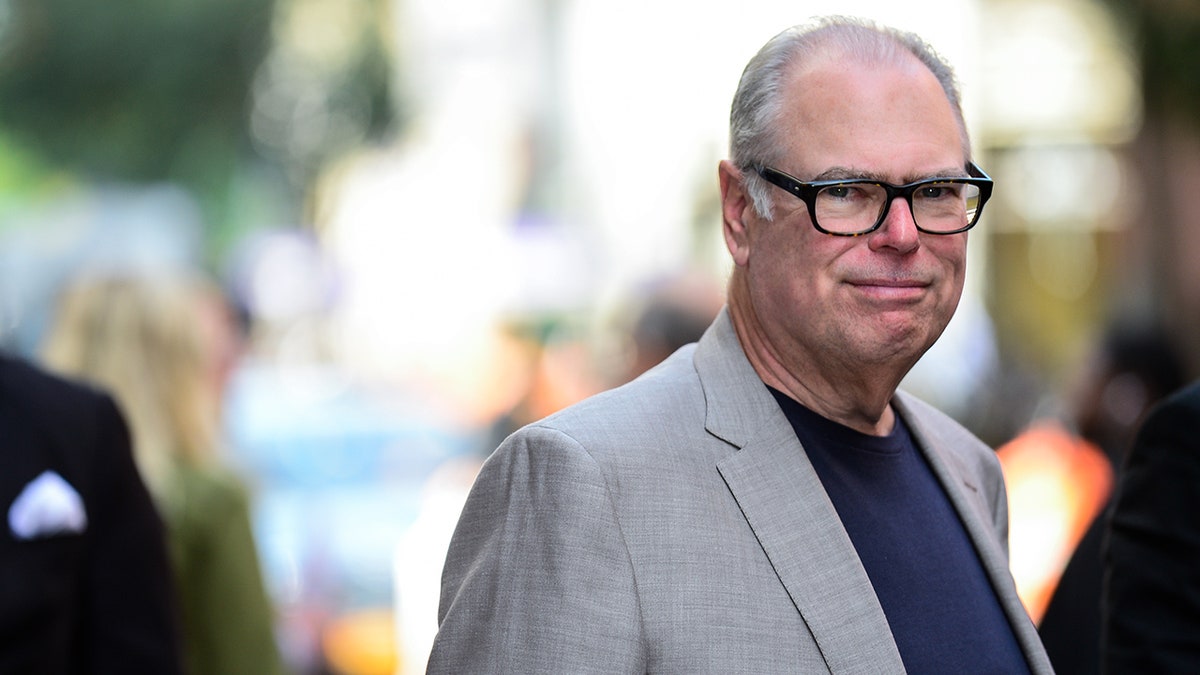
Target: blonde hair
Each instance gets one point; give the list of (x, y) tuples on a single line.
[(142, 339)]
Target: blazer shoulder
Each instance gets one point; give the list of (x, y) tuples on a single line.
[(1168, 430), (930, 420), (40, 394), (77, 427), (1183, 405), (941, 434), (664, 400)]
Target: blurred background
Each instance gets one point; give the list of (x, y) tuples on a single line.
[(435, 220)]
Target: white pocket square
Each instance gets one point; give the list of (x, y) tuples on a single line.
[(46, 507)]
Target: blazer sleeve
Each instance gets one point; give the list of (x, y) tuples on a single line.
[(537, 577), (1152, 595), (129, 605)]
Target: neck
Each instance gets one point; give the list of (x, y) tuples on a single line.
[(853, 394)]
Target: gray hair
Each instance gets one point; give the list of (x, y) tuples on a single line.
[(758, 102)]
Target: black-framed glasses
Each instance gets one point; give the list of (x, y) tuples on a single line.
[(849, 208)]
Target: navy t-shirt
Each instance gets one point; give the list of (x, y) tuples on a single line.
[(942, 610)]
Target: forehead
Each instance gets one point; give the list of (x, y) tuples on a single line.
[(886, 117)]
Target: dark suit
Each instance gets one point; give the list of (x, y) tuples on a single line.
[(96, 597), (1152, 598)]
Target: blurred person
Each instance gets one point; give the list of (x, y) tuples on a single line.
[(675, 313), (161, 344), (1151, 613), (549, 368), (766, 500), (1134, 366), (85, 584)]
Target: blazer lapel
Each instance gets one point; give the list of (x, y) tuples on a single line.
[(785, 504), (959, 487)]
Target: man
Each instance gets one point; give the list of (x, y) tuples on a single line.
[(765, 501), (84, 581), (1152, 594)]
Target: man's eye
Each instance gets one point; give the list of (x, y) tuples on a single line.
[(849, 192), (948, 191)]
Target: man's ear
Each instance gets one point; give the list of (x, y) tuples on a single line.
[(736, 207)]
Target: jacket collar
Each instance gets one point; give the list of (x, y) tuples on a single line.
[(797, 525), (785, 504)]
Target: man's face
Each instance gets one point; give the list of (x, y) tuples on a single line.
[(880, 298)]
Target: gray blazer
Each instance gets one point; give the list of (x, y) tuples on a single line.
[(675, 525)]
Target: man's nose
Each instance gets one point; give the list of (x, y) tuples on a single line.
[(899, 228)]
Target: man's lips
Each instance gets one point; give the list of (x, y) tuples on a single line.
[(894, 289)]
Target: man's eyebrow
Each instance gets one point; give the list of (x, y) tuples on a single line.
[(846, 173)]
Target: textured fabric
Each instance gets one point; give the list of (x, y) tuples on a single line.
[(675, 525), (1152, 598), (96, 601)]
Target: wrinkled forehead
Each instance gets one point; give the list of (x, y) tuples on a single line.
[(852, 60), (867, 115), (864, 89)]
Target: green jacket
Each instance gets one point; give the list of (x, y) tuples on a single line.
[(228, 618)]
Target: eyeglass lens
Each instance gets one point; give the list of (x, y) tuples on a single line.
[(936, 207)]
